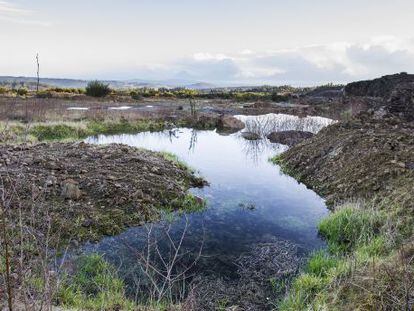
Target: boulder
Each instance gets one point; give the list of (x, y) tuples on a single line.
[(289, 138), (70, 190), (250, 136), (230, 123)]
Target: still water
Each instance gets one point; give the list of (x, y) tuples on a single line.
[(249, 200)]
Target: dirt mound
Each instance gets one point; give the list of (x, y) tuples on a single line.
[(401, 102), (357, 158), (90, 190), (381, 87)]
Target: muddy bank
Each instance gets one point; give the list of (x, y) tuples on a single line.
[(89, 191)]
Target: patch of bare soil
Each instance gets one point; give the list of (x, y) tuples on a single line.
[(87, 190)]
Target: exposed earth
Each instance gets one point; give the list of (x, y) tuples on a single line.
[(90, 191)]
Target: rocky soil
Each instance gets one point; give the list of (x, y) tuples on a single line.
[(88, 191), (381, 87), (357, 158), (368, 155)]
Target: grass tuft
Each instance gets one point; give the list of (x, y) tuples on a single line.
[(350, 226), (94, 286)]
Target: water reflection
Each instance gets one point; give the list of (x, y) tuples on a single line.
[(265, 124), (249, 202)]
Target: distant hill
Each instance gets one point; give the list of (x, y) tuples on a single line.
[(30, 82)]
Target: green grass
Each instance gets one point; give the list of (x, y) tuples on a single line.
[(175, 159), (350, 226), (94, 286), (57, 131), (356, 236), (320, 263), (189, 203)]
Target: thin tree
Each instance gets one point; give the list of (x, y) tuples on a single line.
[(38, 77)]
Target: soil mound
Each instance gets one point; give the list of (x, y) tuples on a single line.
[(357, 158), (381, 87), (89, 190)]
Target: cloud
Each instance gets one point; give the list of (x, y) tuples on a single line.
[(13, 14), (309, 65)]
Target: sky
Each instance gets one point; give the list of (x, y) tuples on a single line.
[(298, 42)]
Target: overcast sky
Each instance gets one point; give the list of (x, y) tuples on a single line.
[(297, 42)]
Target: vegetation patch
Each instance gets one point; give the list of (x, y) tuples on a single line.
[(94, 285)]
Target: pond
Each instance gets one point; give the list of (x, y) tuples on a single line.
[(249, 200)]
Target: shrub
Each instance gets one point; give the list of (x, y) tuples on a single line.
[(135, 95), (97, 89), (22, 91), (44, 94), (3, 90)]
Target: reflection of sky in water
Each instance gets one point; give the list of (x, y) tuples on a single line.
[(239, 174), (265, 124)]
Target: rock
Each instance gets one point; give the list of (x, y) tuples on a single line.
[(70, 190), (289, 138), (250, 136), (230, 122)]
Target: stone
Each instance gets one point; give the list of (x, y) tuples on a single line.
[(230, 122), (250, 136), (70, 190), (289, 138)]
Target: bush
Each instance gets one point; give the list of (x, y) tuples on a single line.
[(97, 89), (44, 94), (135, 95), (22, 91), (3, 90)]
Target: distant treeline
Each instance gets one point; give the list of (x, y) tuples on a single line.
[(241, 94)]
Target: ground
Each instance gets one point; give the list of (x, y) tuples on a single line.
[(364, 166)]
